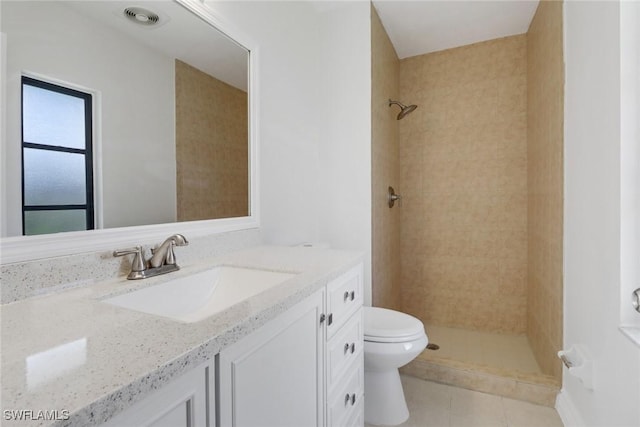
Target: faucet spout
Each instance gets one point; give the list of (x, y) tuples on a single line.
[(163, 254)]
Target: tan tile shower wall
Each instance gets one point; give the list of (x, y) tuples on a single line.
[(211, 147), (545, 140), (463, 162), (385, 172)]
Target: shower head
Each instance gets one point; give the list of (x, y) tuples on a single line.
[(405, 109)]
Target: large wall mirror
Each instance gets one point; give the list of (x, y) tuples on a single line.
[(121, 114)]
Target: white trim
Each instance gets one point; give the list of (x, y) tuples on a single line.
[(567, 410), (3, 130), (98, 181), (632, 333), (629, 162), (25, 248)]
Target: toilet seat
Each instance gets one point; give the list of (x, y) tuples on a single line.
[(383, 325)]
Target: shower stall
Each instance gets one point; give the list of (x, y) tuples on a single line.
[(479, 232)]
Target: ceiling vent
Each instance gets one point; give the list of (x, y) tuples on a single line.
[(141, 16)]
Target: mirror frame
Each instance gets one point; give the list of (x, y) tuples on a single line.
[(29, 248)]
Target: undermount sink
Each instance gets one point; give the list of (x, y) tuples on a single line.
[(200, 295)]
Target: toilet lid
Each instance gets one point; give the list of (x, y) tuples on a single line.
[(381, 324)]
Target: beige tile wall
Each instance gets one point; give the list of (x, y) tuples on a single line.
[(211, 147), (463, 175), (545, 177), (385, 168)]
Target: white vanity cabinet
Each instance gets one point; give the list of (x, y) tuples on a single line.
[(272, 377), (344, 351), (184, 402), (303, 369)]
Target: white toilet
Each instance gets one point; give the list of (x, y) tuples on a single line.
[(391, 340)]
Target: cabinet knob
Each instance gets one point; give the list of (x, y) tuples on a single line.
[(353, 399), (347, 398), (322, 317), (346, 295), (353, 295), (353, 347), (346, 348), (330, 320)]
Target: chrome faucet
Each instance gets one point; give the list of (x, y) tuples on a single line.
[(162, 261)]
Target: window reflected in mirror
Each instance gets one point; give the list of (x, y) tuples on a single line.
[(57, 161)]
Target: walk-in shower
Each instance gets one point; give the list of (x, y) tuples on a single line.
[(481, 220)]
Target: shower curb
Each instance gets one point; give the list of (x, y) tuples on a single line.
[(541, 389)]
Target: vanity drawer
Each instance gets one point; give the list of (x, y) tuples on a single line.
[(345, 401), (345, 348), (344, 297)]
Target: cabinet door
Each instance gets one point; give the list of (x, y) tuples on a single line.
[(273, 377), (181, 403)]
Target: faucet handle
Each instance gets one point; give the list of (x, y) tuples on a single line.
[(138, 263)]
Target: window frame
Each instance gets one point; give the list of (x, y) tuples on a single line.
[(87, 152)]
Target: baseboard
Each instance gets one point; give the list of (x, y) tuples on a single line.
[(566, 409)]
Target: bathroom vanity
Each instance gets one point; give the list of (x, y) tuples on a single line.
[(290, 355)]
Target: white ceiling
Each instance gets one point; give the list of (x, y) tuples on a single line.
[(422, 26), (180, 35)]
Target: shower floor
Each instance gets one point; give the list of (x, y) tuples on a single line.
[(493, 363), (500, 351)]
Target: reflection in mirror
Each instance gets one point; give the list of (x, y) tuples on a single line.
[(167, 134)]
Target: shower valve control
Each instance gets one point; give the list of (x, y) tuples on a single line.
[(635, 299), (392, 197)]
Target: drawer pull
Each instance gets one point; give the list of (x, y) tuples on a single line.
[(349, 296), (349, 399), (348, 347)]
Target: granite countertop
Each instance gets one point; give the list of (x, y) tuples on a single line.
[(69, 351)]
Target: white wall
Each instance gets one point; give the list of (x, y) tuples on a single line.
[(592, 220), (286, 34), (315, 119), (136, 106), (345, 149)]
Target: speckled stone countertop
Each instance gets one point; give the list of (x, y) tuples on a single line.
[(71, 352)]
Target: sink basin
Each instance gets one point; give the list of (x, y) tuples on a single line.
[(198, 296)]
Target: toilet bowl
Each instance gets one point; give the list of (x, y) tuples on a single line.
[(391, 340)]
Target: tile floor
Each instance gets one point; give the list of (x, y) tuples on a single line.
[(438, 405), (483, 348)]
